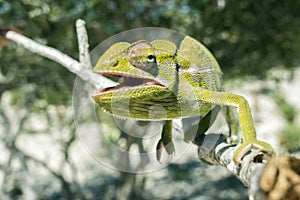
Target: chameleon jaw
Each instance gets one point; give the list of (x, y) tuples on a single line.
[(128, 82), (138, 98)]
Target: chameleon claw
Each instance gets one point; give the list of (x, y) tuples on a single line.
[(246, 146), (170, 149)]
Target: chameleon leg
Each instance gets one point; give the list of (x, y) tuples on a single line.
[(204, 125), (231, 121), (249, 140), (207, 121), (165, 141), (195, 127)]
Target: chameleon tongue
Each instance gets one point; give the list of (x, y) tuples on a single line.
[(128, 81), (150, 82)]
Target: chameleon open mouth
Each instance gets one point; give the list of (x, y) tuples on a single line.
[(128, 82), (137, 98)]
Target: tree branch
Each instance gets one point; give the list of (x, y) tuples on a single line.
[(53, 54), (84, 55), (266, 177)]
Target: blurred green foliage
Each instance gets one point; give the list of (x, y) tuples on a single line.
[(247, 37), (290, 136), (289, 112)]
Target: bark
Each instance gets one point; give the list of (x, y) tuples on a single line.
[(266, 178)]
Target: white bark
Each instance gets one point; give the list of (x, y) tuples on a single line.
[(80, 69), (82, 37), (216, 151)]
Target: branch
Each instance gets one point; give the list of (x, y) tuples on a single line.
[(66, 61), (84, 55), (267, 178)]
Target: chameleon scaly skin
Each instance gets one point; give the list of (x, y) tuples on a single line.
[(163, 82)]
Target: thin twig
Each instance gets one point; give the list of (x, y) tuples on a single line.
[(53, 54), (83, 45)]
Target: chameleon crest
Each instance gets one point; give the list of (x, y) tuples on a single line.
[(160, 81)]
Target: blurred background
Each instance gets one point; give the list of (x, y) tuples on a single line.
[(257, 44)]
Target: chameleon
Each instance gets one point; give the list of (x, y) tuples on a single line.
[(162, 82)]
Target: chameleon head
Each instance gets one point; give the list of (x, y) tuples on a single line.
[(148, 73)]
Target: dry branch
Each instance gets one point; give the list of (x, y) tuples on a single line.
[(53, 54), (266, 178)]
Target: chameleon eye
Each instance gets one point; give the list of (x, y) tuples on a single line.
[(115, 63), (141, 55), (151, 58)]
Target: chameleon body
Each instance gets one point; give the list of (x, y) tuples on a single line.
[(163, 82)]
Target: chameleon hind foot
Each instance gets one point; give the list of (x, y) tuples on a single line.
[(170, 149), (247, 145)]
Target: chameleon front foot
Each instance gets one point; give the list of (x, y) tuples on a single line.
[(166, 141), (169, 147), (246, 146)]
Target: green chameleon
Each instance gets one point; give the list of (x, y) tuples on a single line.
[(163, 82)]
